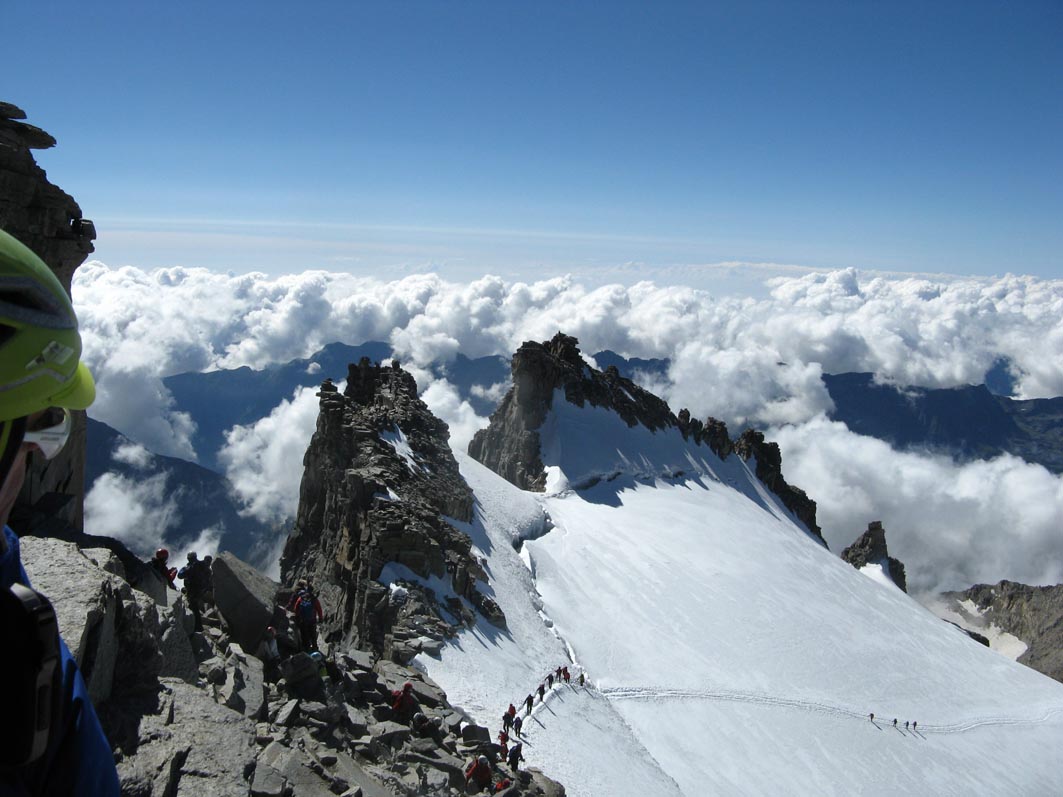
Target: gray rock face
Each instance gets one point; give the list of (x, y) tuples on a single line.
[(379, 484), (870, 548), (1033, 614), (751, 443), (48, 221), (196, 734), (510, 444), (243, 688), (245, 598), (184, 744), (86, 602)]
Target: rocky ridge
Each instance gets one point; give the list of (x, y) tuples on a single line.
[(378, 486), (870, 548), (196, 713), (510, 444), (48, 221), (1033, 614)]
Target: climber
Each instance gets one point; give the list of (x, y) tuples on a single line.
[(582, 679), (565, 674), (503, 742), (872, 715), (307, 610), (41, 379), (516, 755), (208, 592), (528, 704), (159, 563), (894, 722), (270, 654), (478, 775), (542, 693), (518, 723), (428, 728), (550, 681), (914, 724), (196, 578), (507, 721), (403, 703), (512, 711), (558, 673)]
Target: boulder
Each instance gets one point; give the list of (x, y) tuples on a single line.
[(268, 782), (870, 548), (180, 742), (245, 598), (472, 733), (86, 600), (106, 560), (287, 714), (178, 657), (243, 689), (389, 733), (299, 669), (357, 723), (427, 691)]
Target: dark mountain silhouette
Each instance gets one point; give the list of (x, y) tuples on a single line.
[(968, 422), (219, 400), (202, 496)]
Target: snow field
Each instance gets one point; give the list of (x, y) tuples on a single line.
[(732, 654)]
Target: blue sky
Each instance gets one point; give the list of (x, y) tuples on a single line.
[(527, 139)]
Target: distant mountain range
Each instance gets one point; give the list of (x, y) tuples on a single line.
[(968, 422), (200, 496), (219, 400)]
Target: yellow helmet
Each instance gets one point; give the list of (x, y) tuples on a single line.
[(40, 347)]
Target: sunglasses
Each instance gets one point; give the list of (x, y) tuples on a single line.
[(50, 432)]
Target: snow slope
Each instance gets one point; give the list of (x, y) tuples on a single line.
[(729, 652)]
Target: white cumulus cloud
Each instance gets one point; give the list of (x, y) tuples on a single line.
[(741, 359), (264, 461)]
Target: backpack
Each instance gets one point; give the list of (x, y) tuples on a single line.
[(304, 608)]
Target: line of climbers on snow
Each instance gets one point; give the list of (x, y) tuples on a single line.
[(478, 775), (914, 726)]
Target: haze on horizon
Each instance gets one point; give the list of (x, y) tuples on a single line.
[(615, 142)]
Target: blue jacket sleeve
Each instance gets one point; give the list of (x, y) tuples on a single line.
[(79, 759)]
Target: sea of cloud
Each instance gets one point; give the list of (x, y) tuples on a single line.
[(742, 359)]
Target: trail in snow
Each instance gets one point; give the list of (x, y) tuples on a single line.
[(735, 696)]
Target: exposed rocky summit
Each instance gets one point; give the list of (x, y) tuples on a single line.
[(510, 444), (48, 221), (1033, 614), (194, 713), (870, 548), (768, 457), (379, 485)]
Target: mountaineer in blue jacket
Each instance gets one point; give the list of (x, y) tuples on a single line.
[(41, 380)]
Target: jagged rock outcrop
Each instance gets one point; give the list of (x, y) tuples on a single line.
[(49, 222), (245, 598), (751, 443), (380, 486), (1033, 614), (870, 548), (509, 445), (224, 729)]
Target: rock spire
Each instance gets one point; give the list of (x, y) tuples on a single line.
[(381, 487)]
